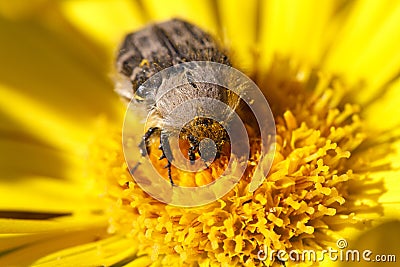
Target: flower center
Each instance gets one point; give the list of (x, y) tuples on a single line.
[(312, 191)]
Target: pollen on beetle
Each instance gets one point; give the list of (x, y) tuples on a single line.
[(314, 189)]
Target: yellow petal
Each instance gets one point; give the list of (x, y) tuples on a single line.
[(21, 158), (391, 198), (35, 193), (75, 222), (140, 262), (114, 250), (239, 28), (383, 243), (42, 76), (366, 46), (50, 128), (105, 21), (294, 28), (382, 113), (200, 12), (20, 8), (54, 236)]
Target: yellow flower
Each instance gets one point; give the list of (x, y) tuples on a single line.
[(329, 70)]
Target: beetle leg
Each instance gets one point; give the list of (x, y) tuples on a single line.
[(143, 145), (189, 77), (166, 153), (145, 140), (164, 147), (192, 154), (193, 148), (133, 169)]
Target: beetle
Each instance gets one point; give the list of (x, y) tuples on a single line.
[(159, 46)]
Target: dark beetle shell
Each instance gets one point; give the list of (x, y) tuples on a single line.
[(159, 46)]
